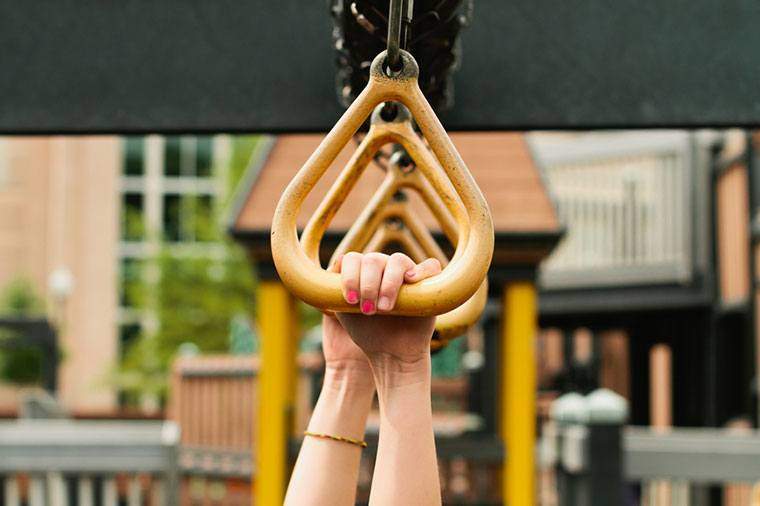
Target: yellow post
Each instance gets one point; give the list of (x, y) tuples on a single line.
[(278, 327), (518, 393)]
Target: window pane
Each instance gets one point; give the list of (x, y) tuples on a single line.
[(131, 282), (205, 225), (172, 157), (172, 216), (132, 217), (203, 157), (134, 156), (127, 335)]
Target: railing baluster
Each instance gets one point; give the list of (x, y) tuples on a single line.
[(134, 497), (56, 490), (627, 217), (680, 493), (37, 491), (110, 494), (85, 491), (12, 495)]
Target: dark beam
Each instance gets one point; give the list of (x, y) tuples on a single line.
[(78, 66)]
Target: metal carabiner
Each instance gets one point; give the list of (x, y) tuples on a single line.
[(445, 171), (399, 22)]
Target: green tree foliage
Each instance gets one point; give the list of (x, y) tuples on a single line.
[(19, 364), (198, 291), (194, 299), (19, 298)]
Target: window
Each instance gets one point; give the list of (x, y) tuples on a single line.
[(203, 160), (189, 218), (188, 157), (131, 282), (132, 217), (204, 218), (128, 334), (172, 219), (134, 156), (173, 157)]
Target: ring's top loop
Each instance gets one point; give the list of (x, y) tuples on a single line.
[(409, 68)]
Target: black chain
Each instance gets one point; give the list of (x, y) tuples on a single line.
[(361, 32)]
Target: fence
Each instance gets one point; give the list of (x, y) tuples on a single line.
[(82, 463), (626, 206), (677, 466), (62, 463), (213, 400), (598, 461)]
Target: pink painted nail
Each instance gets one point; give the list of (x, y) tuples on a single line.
[(384, 304), (352, 296), (368, 307)]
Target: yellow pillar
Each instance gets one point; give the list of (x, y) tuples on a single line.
[(278, 328), (518, 393)]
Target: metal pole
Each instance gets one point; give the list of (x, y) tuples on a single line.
[(607, 414), (569, 413), (394, 34), (170, 439), (276, 387), (518, 392)]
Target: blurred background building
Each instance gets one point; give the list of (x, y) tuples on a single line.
[(82, 218), (121, 281)]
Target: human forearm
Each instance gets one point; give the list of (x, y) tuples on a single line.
[(326, 471), (406, 470)]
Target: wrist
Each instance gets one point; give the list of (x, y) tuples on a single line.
[(344, 402), (390, 371), (349, 375)]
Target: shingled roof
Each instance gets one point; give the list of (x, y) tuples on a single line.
[(500, 162)]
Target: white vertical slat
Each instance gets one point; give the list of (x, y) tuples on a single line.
[(56, 490), (134, 497), (37, 491), (685, 162), (670, 189), (110, 494), (85, 491), (673, 225), (680, 494), (678, 210), (12, 496)]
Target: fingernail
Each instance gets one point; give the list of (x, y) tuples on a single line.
[(411, 274), (384, 304), (368, 307), (352, 296)]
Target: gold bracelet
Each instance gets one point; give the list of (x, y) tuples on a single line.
[(342, 439)]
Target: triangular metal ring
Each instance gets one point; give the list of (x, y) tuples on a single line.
[(462, 276)]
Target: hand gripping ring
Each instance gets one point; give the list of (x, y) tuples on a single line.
[(463, 275), (404, 228), (387, 218)]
